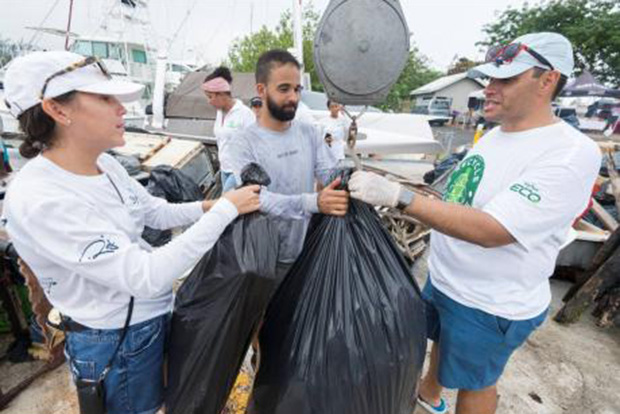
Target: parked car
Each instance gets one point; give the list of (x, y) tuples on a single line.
[(568, 115), (436, 106)]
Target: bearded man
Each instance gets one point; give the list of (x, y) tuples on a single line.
[(292, 152)]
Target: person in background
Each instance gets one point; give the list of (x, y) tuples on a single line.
[(256, 104), (336, 129), (232, 116), (76, 217), (506, 212)]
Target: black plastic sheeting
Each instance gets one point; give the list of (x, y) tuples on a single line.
[(346, 331), (174, 186), (446, 164), (217, 311), (130, 163)]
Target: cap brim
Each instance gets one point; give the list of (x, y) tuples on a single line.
[(505, 71), (122, 90)]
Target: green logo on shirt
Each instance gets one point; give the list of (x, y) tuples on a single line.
[(527, 191), (465, 180), (233, 124)]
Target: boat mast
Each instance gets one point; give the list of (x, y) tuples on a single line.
[(69, 25), (157, 122)]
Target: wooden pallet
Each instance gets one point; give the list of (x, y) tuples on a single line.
[(176, 153), (143, 146)]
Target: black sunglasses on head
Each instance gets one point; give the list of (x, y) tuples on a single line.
[(91, 60)]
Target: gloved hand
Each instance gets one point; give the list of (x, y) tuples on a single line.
[(374, 189)]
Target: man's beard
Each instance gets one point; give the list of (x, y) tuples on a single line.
[(281, 113)]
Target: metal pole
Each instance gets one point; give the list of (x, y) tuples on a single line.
[(298, 44), (69, 25)]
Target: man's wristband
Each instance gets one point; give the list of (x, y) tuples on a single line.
[(405, 198)]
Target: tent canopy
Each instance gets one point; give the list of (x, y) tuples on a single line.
[(587, 85)]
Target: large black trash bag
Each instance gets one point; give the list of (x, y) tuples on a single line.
[(217, 311), (174, 186), (346, 331)]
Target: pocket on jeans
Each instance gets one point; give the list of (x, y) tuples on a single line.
[(503, 325), (142, 338), (83, 369)]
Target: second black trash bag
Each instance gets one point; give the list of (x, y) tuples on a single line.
[(346, 331), (216, 313)]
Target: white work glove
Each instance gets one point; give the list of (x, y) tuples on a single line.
[(374, 189)]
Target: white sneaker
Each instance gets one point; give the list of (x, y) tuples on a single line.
[(442, 408)]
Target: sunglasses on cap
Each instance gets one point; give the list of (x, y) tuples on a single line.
[(91, 60), (506, 54)]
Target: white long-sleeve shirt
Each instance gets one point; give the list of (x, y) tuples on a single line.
[(81, 236)]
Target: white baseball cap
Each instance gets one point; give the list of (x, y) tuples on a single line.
[(26, 76), (553, 47)]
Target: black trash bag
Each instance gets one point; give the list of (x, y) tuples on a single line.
[(216, 313), (346, 331), (156, 238), (254, 174), (174, 186), (130, 163), (445, 165)]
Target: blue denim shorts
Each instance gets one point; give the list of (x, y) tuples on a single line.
[(135, 384), (474, 346)]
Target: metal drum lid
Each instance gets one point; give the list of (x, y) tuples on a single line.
[(360, 49)]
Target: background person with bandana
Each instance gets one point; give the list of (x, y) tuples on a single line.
[(232, 116)]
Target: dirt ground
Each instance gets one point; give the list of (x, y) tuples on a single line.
[(560, 369)]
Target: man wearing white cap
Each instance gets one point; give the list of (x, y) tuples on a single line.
[(76, 218), (496, 235)]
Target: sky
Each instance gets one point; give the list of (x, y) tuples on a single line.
[(442, 29)]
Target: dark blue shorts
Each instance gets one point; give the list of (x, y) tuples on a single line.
[(474, 346), (135, 384)]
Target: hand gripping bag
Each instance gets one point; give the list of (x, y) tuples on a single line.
[(346, 331), (217, 310)]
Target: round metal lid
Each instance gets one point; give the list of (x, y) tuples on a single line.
[(360, 49)]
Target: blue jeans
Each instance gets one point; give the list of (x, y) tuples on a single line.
[(134, 385)]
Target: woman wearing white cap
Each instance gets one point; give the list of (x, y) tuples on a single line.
[(76, 217), (232, 116)]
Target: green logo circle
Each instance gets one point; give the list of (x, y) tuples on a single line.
[(465, 180)]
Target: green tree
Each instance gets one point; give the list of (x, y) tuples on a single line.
[(461, 65), (415, 74), (245, 51), (592, 26)]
